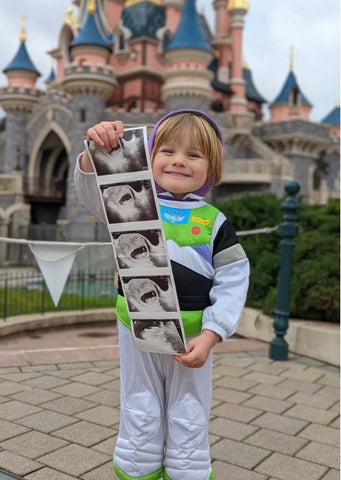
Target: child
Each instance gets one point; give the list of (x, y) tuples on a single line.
[(166, 400)]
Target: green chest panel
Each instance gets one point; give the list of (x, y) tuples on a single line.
[(188, 227)]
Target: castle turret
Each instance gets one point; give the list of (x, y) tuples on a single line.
[(291, 102), (187, 81), (18, 99), (237, 10), (333, 121), (173, 13)]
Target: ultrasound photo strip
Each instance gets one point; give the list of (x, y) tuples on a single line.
[(126, 187)]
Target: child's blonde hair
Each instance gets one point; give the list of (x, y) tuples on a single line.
[(202, 135)]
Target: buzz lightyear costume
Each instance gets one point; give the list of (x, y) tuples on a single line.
[(165, 406)]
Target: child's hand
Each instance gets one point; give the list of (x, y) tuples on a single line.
[(106, 134), (198, 349)]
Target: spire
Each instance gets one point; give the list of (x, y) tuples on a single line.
[(189, 33), (92, 32), (292, 57), (22, 60), (290, 86), (333, 117), (251, 90)]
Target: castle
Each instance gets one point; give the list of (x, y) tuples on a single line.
[(134, 60)]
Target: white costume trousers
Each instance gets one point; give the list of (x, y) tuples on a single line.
[(165, 411)]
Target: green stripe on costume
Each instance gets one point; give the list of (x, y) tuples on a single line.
[(191, 319), (152, 476)]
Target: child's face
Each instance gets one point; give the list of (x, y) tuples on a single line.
[(180, 168)]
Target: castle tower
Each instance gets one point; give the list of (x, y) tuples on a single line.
[(173, 13), (290, 103), (237, 10), (187, 81), (18, 99), (88, 81), (221, 42)]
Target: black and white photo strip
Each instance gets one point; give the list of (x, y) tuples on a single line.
[(140, 249), (131, 201), (153, 335), (126, 186), (128, 156)]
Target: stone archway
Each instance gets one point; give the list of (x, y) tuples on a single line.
[(45, 185)]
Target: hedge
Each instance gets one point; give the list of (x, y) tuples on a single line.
[(315, 281)]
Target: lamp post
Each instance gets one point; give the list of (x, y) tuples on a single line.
[(288, 231)]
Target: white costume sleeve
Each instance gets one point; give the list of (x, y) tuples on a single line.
[(230, 282), (88, 192)]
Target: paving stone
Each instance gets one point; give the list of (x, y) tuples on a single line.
[(235, 383), (321, 453), (236, 412), (316, 400), (33, 444), (321, 433), (70, 373), (17, 464), (105, 472), (68, 405), (330, 379), (113, 385), (335, 407), (236, 362), (10, 429), (309, 374), (230, 429), (311, 414), (92, 378), (101, 415), (7, 387), (107, 446), (19, 376), (76, 389), (35, 396), (47, 421), (285, 468), (10, 370), (279, 423), (13, 410), (335, 423), (46, 382), (270, 368), (267, 404), (230, 371), (109, 398), (40, 368), (332, 475), (300, 385), (272, 391), (76, 365), (74, 460), (48, 474), (238, 453), (224, 471), (276, 441), (330, 392), (229, 395), (84, 433), (260, 377)]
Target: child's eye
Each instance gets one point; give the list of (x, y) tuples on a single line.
[(166, 150), (194, 155)]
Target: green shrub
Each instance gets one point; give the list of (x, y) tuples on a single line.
[(315, 284)]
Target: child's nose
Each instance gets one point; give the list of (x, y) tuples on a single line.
[(178, 160)]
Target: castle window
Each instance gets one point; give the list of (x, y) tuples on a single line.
[(163, 35), (82, 115), (295, 96), (122, 36)]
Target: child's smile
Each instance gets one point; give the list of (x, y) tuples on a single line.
[(180, 168)]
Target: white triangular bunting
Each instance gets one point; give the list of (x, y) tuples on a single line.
[(55, 262)]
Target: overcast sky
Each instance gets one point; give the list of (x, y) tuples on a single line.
[(271, 28)]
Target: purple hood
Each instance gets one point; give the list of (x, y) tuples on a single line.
[(205, 188)]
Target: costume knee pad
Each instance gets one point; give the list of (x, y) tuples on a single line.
[(142, 417), (186, 423)]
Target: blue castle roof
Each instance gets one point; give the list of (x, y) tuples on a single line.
[(289, 85), (333, 118), (51, 77), (22, 61), (92, 34), (189, 33), (251, 91), (144, 19)]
